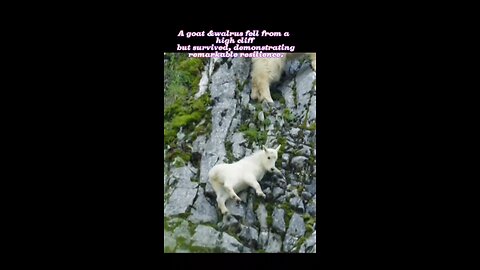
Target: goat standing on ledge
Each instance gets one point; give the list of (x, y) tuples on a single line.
[(229, 179)]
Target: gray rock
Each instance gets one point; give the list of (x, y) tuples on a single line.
[(203, 211), (281, 199), (238, 151), (209, 192), (312, 188), (274, 243), (179, 201), (237, 119), (231, 224), (262, 216), (296, 226), (210, 159), (203, 85), (241, 68), (229, 244), (290, 143), (278, 222), (299, 162), (181, 177), (198, 146), (310, 245), (250, 218), (169, 242), (182, 232), (277, 191), (311, 242), (297, 204), (165, 183), (236, 209), (246, 250), (312, 208), (294, 132), (205, 237), (243, 195), (306, 195), (289, 242), (305, 151), (294, 183), (292, 67), (287, 93), (245, 96), (249, 236), (180, 135), (261, 117), (263, 239), (312, 109), (304, 86)]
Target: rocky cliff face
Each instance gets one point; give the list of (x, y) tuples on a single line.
[(229, 128)]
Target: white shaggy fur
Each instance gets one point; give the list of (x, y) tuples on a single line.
[(229, 179), (268, 70)]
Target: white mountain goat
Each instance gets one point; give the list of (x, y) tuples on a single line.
[(268, 70), (229, 179)]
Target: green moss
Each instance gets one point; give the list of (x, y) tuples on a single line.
[(267, 122), (269, 207), (184, 120), (228, 150), (282, 141), (240, 86), (169, 224), (178, 163), (269, 221), (185, 156), (253, 135), (312, 127), (309, 222), (243, 127), (182, 244), (256, 203), (191, 67), (182, 110), (191, 228), (287, 115), (311, 160), (204, 250), (300, 243), (288, 211), (276, 95)]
